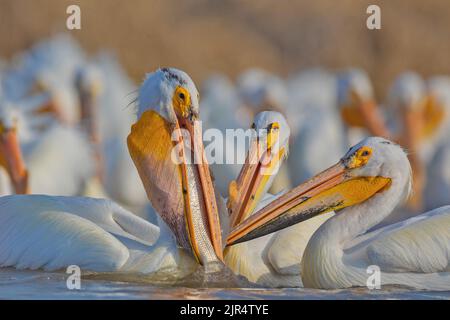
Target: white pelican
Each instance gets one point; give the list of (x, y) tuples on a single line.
[(313, 106), (437, 111), (259, 91), (57, 161), (407, 97), (358, 106), (52, 61), (99, 235), (107, 89), (62, 100), (11, 158), (268, 148), (363, 188), (437, 131), (272, 260), (424, 113), (48, 66)]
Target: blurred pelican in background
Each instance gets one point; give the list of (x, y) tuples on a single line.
[(221, 110), (50, 66), (358, 107), (88, 96), (55, 161), (319, 135), (437, 118), (102, 88), (407, 99), (261, 91)]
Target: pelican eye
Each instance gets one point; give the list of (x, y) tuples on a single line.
[(272, 134), (273, 127), (360, 157), (181, 101)]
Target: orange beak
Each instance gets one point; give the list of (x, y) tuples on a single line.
[(413, 128), (176, 177), (11, 159), (261, 164), (374, 123), (212, 214), (333, 189), (368, 116)]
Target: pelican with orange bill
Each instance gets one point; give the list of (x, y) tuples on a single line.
[(254, 260), (11, 158), (267, 151), (181, 191), (333, 189), (357, 103), (363, 189)]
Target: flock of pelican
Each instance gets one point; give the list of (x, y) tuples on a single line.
[(83, 182)]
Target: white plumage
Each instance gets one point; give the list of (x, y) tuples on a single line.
[(60, 162), (51, 233), (314, 100)]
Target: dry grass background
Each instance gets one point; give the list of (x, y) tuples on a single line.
[(205, 36)]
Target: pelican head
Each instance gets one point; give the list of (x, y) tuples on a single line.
[(11, 158), (408, 98), (181, 192), (172, 93), (369, 168), (261, 90), (357, 103), (268, 149), (61, 102), (407, 92)]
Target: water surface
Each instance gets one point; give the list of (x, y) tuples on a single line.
[(52, 285)]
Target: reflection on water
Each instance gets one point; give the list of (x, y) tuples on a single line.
[(44, 285)]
